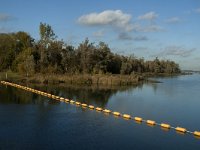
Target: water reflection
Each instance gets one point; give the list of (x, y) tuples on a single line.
[(95, 95)]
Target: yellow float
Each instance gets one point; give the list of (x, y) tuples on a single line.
[(116, 113), (99, 109), (151, 122), (126, 116), (106, 111)]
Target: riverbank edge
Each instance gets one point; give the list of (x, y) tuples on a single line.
[(82, 79)]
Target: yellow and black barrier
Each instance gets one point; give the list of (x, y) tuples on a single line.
[(107, 111)]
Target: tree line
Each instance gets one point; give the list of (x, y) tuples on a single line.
[(19, 52)]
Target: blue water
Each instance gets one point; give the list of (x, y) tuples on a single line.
[(29, 121)]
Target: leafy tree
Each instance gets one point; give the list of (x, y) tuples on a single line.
[(86, 53), (28, 66), (46, 33), (23, 40), (8, 50), (47, 38), (24, 62)]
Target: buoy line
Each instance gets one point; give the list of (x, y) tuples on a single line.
[(107, 111)]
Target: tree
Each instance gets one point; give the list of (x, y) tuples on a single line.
[(86, 52), (28, 66), (103, 57), (24, 62), (70, 61), (46, 34), (47, 40), (8, 50), (23, 40), (157, 67)]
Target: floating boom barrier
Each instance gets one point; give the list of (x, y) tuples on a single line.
[(107, 111)]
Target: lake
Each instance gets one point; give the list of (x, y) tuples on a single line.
[(30, 121)]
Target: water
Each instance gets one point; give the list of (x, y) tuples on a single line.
[(30, 121)]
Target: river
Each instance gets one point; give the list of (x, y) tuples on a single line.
[(30, 121)]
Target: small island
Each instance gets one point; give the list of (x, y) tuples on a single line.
[(50, 60)]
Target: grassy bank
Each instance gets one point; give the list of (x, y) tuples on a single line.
[(11, 76), (85, 79)]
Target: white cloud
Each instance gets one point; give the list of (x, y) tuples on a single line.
[(114, 18), (124, 36), (148, 16), (99, 33), (119, 22), (5, 17), (176, 51), (140, 38), (197, 10), (151, 28), (173, 20)]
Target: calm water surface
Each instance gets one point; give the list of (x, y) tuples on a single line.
[(29, 121)]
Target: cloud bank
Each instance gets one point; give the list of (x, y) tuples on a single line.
[(176, 51), (148, 16), (125, 36), (151, 28), (197, 10), (99, 33), (173, 20), (5, 17), (115, 18), (121, 23)]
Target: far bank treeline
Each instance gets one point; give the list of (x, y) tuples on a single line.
[(19, 52)]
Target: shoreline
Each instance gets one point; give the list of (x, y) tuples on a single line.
[(81, 79), (84, 79)]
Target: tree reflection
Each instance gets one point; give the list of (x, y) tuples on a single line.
[(94, 95)]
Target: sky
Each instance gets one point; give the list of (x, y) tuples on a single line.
[(148, 29)]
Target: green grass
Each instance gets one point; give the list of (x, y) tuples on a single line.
[(85, 79), (10, 76), (81, 79)]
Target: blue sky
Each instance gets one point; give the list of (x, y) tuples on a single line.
[(146, 28)]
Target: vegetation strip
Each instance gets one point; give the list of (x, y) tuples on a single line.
[(125, 116)]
